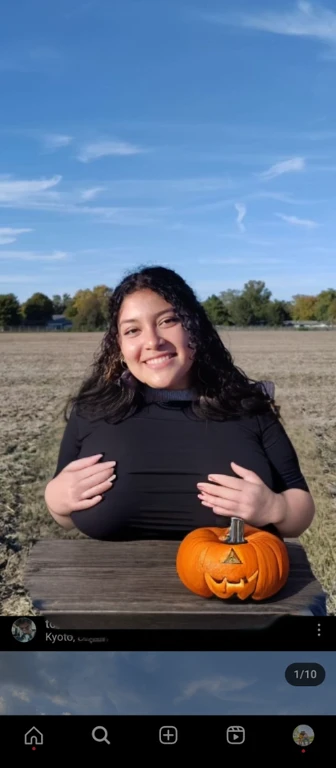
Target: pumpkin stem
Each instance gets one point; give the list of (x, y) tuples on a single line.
[(236, 532)]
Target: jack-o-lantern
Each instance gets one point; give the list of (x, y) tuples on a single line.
[(222, 562)]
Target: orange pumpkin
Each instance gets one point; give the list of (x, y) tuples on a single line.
[(220, 561)]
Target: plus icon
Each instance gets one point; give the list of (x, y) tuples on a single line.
[(168, 734)]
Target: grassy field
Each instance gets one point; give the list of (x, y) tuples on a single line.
[(39, 370)]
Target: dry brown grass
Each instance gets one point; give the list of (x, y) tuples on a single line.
[(37, 373)]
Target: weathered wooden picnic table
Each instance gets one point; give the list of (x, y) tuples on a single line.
[(88, 584)]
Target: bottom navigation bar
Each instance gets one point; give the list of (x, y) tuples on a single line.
[(264, 736)]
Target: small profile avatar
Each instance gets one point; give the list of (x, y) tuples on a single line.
[(23, 630), (303, 735)]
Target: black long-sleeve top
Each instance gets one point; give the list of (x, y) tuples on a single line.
[(162, 452)]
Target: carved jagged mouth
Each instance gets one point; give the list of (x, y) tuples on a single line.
[(243, 588), (239, 583)]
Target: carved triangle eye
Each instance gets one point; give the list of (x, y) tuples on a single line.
[(232, 558)]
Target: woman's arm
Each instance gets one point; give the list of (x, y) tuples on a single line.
[(294, 506), (68, 451), (63, 520), (294, 512), (70, 444)]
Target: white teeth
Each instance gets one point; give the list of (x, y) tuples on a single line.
[(159, 360)]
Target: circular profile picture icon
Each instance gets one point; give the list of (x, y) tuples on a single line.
[(23, 630), (303, 735)]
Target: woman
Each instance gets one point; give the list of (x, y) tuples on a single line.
[(167, 434)]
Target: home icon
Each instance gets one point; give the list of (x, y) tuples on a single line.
[(33, 737)]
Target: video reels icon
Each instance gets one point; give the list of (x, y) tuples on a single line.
[(235, 734)]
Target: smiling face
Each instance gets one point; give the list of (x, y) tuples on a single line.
[(153, 342)]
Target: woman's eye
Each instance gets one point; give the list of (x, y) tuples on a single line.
[(166, 320)]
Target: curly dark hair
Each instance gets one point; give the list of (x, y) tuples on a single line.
[(223, 390)]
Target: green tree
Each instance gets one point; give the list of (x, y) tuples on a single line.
[(324, 301), (58, 306), (66, 301), (278, 312), (60, 303), (74, 306), (249, 306), (228, 298), (89, 316), (10, 312), (38, 309), (217, 313), (241, 312), (103, 293), (304, 307), (331, 317), (70, 310), (78, 304), (257, 298)]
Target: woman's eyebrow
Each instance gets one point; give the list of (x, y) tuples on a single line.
[(136, 319)]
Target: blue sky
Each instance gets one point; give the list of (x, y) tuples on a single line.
[(179, 683), (196, 135)]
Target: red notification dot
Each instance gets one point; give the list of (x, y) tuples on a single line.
[(303, 750)]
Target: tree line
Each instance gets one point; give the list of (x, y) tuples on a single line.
[(253, 305)]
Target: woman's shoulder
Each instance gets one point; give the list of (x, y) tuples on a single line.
[(261, 421), (82, 421)]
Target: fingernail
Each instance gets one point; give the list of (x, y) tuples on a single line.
[(112, 478)]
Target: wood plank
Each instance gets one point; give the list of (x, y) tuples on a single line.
[(134, 585)]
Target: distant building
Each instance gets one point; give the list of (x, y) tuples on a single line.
[(59, 323)]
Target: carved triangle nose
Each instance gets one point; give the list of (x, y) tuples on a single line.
[(232, 558)]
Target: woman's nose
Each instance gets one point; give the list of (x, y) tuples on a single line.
[(152, 338)]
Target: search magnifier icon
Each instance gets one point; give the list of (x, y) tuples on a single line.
[(104, 734)]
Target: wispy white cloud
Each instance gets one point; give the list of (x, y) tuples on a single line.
[(241, 210), (23, 695), (9, 234), (15, 190), (294, 220), (33, 256), (280, 197), (16, 279), (96, 150), (54, 141), (285, 166), (218, 686), (305, 19), (119, 216), (90, 194), (131, 216)]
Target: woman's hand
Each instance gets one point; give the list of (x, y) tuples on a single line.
[(80, 485), (248, 498)]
